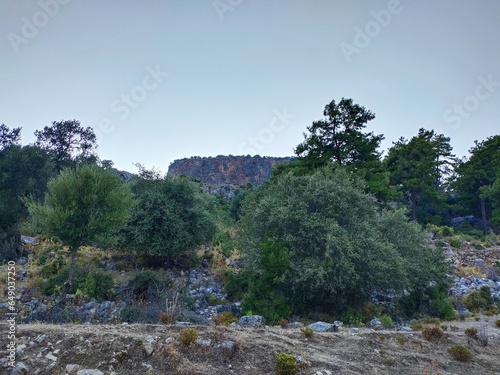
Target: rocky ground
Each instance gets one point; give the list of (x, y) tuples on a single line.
[(156, 349)]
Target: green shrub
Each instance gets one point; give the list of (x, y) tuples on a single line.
[(474, 301), (308, 332), (286, 364), (188, 336), (147, 283), (99, 284), (235, 284), (472, 333), (417, 325), (446, 231), (386, 320), (456, 242), (433, 333), (352, 318), (497, 323), (443, 308), (460, 353), (432, 321), (225, 318)]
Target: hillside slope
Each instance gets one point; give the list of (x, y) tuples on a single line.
[(155, 349)]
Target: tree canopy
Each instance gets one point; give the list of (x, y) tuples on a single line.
[(87, 205), (68, 141), (339, 247), (170, 220)]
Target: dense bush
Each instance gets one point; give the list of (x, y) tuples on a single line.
[(339, 247), (188, 336), (432, 333), (146, 284), (171, 218), (460, 353), (286, 364), (93, 281)]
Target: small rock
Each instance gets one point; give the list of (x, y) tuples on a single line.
[(406, 329), (203, 342), (71, 369), (354, 330), (226, 348), (295, 325), (20, 369), (323, 327), (147, 366), (375, 322), (50, 366), (89, 372), (253, 321), (51, 357), (40, 338), (20, 349)]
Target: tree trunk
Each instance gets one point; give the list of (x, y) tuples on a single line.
[(484, 226), (67, 284)]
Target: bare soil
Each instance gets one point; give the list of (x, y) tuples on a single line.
[(122, 349)]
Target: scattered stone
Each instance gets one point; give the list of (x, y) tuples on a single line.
[(375, 322), (20, 369), (406, 329), (89, 372), (40, 338), (20, 349), (71, 369), (50, 366), (204, 342), (225, 348), (147, 366), (253, 321), (51, 357), (354, 330), (323, 327), (295, 325)]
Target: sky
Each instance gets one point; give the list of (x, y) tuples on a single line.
[(160, 80)]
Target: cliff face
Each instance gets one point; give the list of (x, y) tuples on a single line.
[(227, 170)]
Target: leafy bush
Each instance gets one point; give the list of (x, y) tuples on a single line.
[(433, 333), (352, 318), (432, 321), (286, 364), (308, 332), (475, 301), (386, 320), (339, 247), (99, 284), (460, 353), (446, 231), (497, 323), (225, 318), (148, 284), (416, 325), (456, 242), (472, 333), (188, 336), (171, 218)]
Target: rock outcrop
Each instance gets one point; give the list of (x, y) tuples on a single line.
[(227, 170)]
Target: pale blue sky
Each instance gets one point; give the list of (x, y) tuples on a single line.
[(163, 80)]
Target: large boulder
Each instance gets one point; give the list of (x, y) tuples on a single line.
[(252, 321)]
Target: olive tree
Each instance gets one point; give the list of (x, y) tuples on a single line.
[(83, 206)]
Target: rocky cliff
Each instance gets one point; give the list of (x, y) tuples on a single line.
[(227, 170)]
